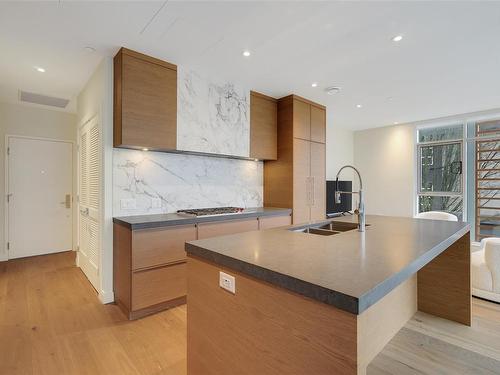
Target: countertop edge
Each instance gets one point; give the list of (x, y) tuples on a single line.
[(273, 211), (321, 294)]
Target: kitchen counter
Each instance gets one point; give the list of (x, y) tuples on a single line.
[(350, 270), (287, 302), (164, 220)]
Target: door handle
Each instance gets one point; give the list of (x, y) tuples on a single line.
[(312, 191), (67, 201)]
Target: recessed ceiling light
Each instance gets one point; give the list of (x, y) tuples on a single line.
[(396, 123), (89, 49), (255, 159), (314, 84), (246, 53), (332, 90), (40, 69), (145, 149), (358, 106), (397, 38)]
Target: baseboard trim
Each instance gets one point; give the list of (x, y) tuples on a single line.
[(106, 297), (3, 256)]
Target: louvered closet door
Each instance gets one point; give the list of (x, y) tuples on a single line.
[(90, 202)]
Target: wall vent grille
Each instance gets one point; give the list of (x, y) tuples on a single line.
[(51, 101)]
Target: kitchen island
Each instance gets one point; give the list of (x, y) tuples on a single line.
[(314, 302)]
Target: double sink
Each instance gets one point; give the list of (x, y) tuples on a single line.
[(328, 229)]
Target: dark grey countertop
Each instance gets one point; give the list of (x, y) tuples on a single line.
[(163, 220), (350, 270)]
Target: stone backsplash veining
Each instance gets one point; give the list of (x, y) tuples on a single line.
[(183, 181)]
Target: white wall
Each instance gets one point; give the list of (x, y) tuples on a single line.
[(385, 158), (339, 151), (32, 121), (96, 98)]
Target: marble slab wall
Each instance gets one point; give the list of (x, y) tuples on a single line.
[(212, 116), (183, 181)]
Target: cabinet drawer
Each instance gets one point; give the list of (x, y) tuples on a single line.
[(158, 285), (274, 221), (207, 230), (153, 247)]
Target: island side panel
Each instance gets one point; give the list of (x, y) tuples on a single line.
[(444, 285), (383, 320), (263, 329)]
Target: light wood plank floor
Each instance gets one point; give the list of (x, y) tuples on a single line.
[(51, 322)]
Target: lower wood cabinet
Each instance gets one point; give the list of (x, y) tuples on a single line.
[(214, 229), (269, 222), (158, 285), (150, 264)]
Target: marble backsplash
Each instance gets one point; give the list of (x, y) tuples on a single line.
[(178, 181), (213, 116)]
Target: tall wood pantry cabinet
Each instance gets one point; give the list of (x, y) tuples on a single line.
[(297, 179)]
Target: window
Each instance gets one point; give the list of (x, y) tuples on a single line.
[(486, 146), (472, 193), (440, 177)]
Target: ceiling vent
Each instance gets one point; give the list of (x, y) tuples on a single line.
[(51, 101)]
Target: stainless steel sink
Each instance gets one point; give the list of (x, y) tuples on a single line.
[(319, 231), (329, 229), (339, 226)]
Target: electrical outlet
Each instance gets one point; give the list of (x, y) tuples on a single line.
[(227, 282), (155, 202), (128, 204)]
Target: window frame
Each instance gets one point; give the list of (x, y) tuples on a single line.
[(418, 159)]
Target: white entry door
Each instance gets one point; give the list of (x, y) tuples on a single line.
[(89, 236), (39, 195)]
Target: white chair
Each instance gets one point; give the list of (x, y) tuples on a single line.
[(436, 215), (485, 265)]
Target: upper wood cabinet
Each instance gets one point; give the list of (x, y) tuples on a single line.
[(318, 124), (309, 120), (263, 127), (145, 102)]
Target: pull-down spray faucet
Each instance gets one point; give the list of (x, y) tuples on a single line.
[(360, 211)]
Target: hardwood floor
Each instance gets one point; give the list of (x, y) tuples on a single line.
[(51, 322)]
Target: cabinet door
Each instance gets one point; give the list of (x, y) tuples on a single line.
[(301, 186), (318, 174), (148, 104), (318, 124), (301, 120), (263, 127), (159, 246), (158, 285), (222, 228), (274, 221)]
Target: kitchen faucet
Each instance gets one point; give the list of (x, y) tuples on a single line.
[(360, 211)]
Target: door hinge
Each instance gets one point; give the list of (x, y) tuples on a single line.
[(8, 150), (8, 198), (8, 245)]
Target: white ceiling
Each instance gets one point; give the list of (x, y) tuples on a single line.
[(448, 62)]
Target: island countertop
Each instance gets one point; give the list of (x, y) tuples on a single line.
[(351, 270)]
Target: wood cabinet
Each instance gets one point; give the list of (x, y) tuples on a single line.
[(274, 221), (214, 229), (145, 102), (150, 264), (263, 126), (298, 178), (149, 268)]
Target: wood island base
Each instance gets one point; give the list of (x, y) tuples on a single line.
[(267, 330)]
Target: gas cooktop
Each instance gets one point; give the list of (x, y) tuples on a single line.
[(211, 211)]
